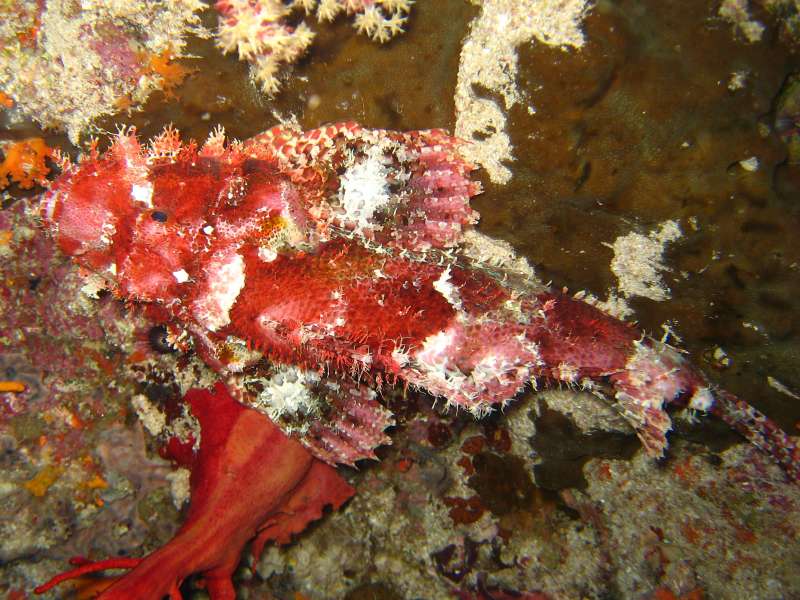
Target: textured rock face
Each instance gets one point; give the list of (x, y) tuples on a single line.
[(649, 122), (65, 64)]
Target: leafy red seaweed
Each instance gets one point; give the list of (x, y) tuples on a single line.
[(249, 482)]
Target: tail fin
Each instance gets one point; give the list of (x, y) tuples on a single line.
[(759, 429)]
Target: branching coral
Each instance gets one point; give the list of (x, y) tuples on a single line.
[(262, 33), (257, 31)]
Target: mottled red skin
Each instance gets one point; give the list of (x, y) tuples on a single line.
[(577, 333), (249, 481), (387, 299), (379, 312), (352, 300)]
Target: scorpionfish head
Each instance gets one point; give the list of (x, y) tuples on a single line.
[(150, 221)]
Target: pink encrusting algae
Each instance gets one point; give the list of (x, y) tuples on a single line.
[(340, 256)]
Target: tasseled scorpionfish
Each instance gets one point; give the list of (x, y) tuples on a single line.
[(346, 259)]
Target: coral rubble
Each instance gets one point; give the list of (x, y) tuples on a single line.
[(69, 466)]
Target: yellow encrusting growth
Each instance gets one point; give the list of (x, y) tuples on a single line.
[(12, 386), (172, 73), (25, 163), (39, 485), (6, 101)]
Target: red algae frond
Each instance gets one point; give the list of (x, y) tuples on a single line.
[(286, 489)]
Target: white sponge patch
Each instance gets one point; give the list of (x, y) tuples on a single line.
[(364, 190)]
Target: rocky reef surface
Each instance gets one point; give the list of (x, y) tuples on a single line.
[(649, 164)]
